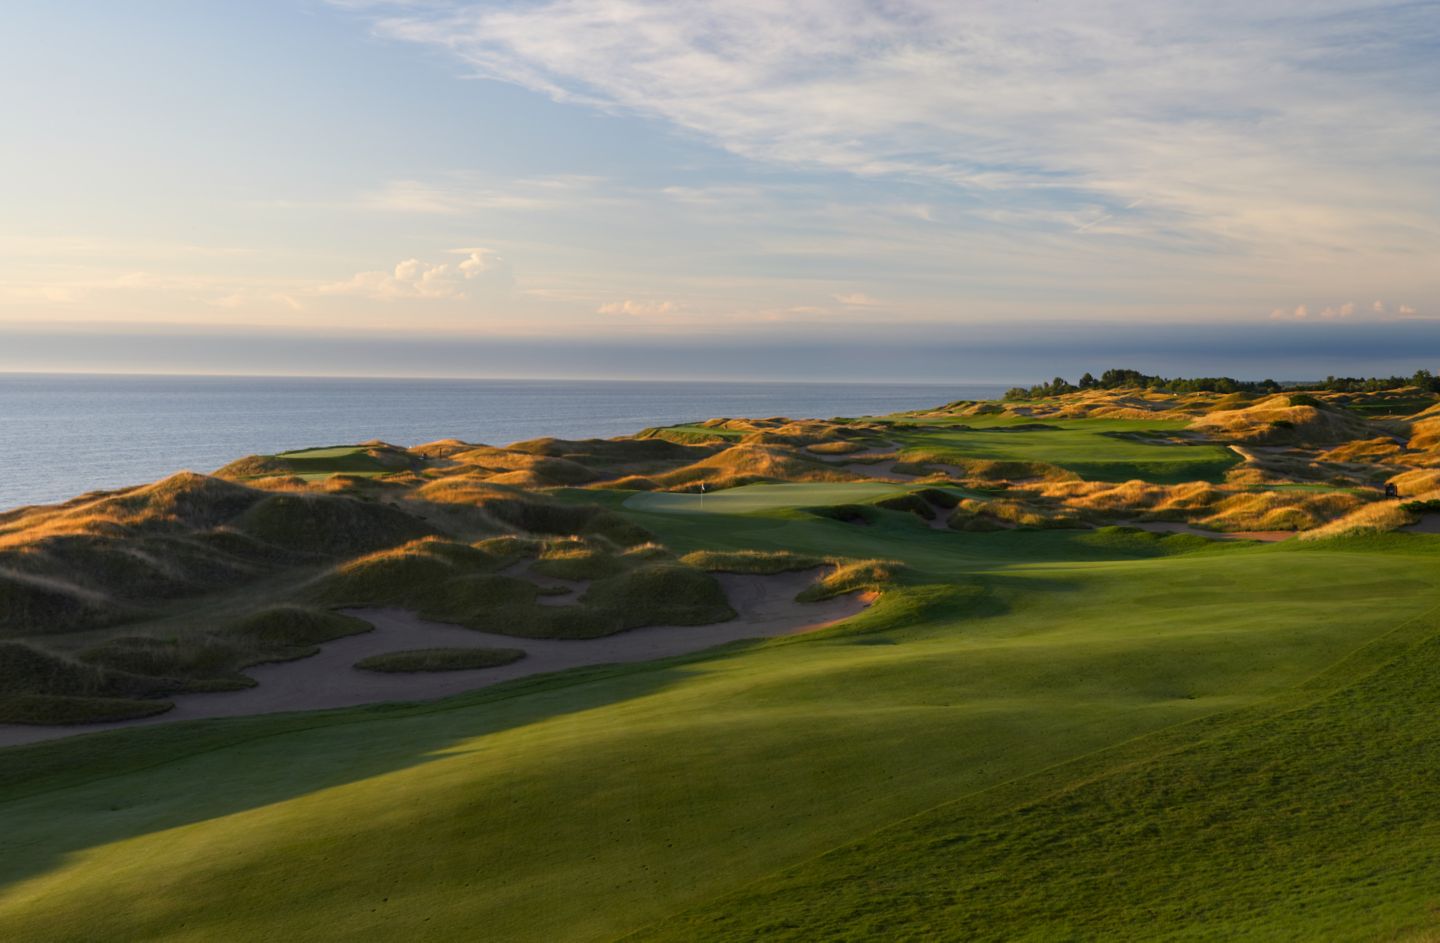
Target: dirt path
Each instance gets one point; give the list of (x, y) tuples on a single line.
[(1428, 524), (766, 607)]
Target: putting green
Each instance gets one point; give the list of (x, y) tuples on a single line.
[(750, 499), (338, 451)]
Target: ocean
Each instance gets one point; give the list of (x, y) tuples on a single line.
[(65, 434)]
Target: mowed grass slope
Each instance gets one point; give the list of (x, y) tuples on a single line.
[(1097, 449), (588, 807)]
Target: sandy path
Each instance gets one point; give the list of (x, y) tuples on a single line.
[(1428, 524), (880, 471), (1174, 527), (766, 607)]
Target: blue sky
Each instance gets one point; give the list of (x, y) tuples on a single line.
[(693, 176)]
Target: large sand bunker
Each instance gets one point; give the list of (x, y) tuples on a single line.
[(765, 605)]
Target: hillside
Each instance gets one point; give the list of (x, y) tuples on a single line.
[(1083, 684)]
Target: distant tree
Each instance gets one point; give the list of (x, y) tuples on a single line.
[(1087, 382)]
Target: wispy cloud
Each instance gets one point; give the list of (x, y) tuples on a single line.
[(460, 193), (1253, 127)]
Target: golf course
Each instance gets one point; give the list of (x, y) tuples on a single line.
[(938, 675)]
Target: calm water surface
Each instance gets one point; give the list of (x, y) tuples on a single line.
[(63, 435)]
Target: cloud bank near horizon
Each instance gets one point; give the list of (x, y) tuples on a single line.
[(978, 353)]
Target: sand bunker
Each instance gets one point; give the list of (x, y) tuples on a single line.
[(766, 607), (1428, 524), (880, 471)]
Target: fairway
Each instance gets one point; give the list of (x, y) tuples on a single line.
[(1006, 671), (750, 499), (1099, 449)]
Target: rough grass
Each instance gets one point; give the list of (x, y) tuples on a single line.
[(755, 562), (57, 710), (853, 576), (440, 659), (577, 560), (663, 594), (291, 631)]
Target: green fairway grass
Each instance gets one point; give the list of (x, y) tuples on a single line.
[(586, 808), (1098, 449)]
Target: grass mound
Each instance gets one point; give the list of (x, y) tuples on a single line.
[(1287, 420), (746, 464), (851, 577), (36, 605), (205, 657), (662, 594), (757, 562), (58, 710), (576, 559), (328, 525), (292, 631), (440, 659), (27, 669)]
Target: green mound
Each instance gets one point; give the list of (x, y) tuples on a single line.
[(661, 595), (750, 561), (749, 499), (328, 525), (440, 659), (292, 631), (47, 709)]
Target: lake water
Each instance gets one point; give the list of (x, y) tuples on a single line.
[(63, 435)]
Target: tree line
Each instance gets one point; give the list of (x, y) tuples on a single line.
[(1132, 379)]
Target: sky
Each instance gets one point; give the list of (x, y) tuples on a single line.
[(900, 189)]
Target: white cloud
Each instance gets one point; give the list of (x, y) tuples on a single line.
[(481, 270), (1345, 312), (640, 309), (857, 299)]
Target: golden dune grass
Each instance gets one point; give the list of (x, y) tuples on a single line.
[(1372, 518)]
